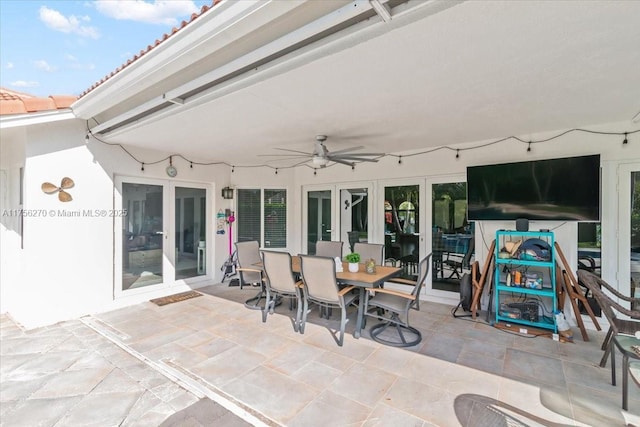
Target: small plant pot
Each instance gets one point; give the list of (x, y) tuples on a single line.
[(354, 267)]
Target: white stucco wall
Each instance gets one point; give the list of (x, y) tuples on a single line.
[(66, 268)]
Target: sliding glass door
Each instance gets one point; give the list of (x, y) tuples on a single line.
[(319, 205)]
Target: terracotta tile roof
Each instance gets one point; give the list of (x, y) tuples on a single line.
[(143, 52), (12, 102)]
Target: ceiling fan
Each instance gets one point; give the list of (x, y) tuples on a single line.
[(321, 156)]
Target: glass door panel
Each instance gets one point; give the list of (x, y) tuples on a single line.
[(402, 227), (354, 216), (190, 232), (318, 218), (452, 235), (142, 235)]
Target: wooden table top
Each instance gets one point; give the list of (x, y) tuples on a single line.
[(361, 278)]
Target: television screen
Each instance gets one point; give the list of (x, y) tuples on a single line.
[(566, 189)]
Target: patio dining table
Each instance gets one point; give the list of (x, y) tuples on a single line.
[(362, 280)]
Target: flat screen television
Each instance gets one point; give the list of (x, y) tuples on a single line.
[(566, 189)]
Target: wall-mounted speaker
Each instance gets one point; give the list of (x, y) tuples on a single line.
[(522, 224)]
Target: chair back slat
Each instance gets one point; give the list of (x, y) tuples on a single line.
[(319, 277), (367, 251), (278, 272)]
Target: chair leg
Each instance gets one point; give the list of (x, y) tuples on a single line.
[(625, 382), (343, 321), (305, 309), (606, 346), (296, 326), (607, 338)]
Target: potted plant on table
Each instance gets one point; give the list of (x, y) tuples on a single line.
[(353, 259)]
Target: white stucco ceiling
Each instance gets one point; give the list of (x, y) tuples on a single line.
[(476, 71)]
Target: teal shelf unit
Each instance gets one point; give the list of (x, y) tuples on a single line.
[(543, 299)]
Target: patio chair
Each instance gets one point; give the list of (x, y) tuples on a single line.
[(611, 308), (249, 272), (321, 287), (458, 264), (395, 306), (329, 248), (280, 282), (367, 251)]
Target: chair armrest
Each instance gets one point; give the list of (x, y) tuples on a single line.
[(346, 290), (402, 281), (396, 293), (299, 284), (617, 293)]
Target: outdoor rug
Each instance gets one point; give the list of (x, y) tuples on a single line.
[(175, 298)]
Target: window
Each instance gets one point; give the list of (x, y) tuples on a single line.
[(262, 216)]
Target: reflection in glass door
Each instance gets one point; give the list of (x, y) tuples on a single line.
[(190, 232), (354, 216), (452, 238), (318, 218), (402, 227), (142, 235)]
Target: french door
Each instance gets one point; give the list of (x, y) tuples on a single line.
[(337, 212), (162, 236)]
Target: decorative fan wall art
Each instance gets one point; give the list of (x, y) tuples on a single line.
[(65, 184)]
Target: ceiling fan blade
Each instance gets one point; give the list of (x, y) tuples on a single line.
[(345, 150), (49, 188), (342, 162), (358, 159), (285, 155), (294, 151)]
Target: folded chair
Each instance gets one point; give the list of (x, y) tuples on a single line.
[(280, 282), (395, 306), (611, 309), (321, 287)]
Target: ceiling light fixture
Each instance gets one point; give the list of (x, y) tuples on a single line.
[(320, 161)]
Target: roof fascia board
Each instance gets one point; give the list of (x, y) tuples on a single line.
[(229, 20), (325, 23), (28, 119)]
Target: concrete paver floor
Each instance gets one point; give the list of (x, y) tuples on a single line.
[(70, 375), (211, 361)]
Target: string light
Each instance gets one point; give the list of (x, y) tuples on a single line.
[(353, 167), (276, 171), (86, 137), (315, 172), (625, 141)]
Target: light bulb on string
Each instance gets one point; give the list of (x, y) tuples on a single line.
[(625, 141), (399, 160), (529, 147), (457, 153)]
